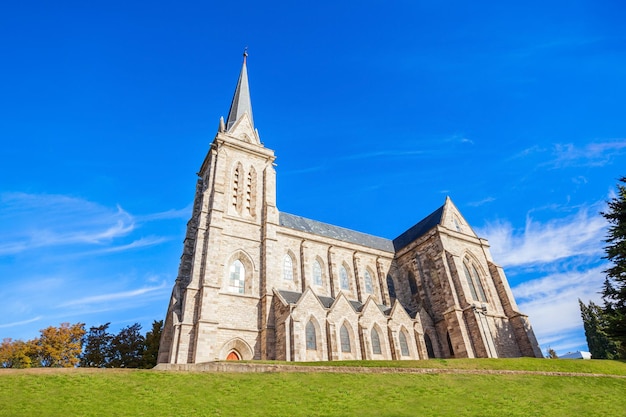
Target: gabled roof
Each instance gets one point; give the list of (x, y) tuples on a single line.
[(292, 297), (241, 100), (418, 230), (335, 232)]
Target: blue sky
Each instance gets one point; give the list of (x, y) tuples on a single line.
[(376, 112)]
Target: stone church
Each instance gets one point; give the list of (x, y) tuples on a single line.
[(257, 283)]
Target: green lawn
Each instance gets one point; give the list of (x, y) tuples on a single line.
[(83, 392)]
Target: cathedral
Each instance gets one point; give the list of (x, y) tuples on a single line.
[(258, 283)]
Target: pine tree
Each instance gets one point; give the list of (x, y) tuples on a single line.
[(594, 320), (614, 291), (97, 351)]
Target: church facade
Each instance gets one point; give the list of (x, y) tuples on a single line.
[(257, 283)]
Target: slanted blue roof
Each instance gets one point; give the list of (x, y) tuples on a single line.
[(420, 229), (335, 232)]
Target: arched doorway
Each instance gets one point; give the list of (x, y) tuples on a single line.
[(233, 355)]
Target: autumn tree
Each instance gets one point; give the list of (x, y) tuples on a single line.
[(16, 354), (151, 345), (59, 347), (97, 347), (594, 321), (614, 291)]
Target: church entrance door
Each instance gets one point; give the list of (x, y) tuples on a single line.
[(233, 356)]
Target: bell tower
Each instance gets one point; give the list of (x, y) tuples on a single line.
[(218, 296)]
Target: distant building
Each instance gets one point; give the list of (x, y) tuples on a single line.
[(576, 355), (257, 283)]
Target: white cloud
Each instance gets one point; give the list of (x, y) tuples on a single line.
[(20, 323), (42, 220), (593, 154), (479, 203), (552, 304), (576, 235), (104, 298)]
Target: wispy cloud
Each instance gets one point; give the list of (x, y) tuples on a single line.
[(182, 213), (104, 298), (544, 242), (593, 154), (482, 202), (140, 243), (20, 323), (552, 304), (41, 220)]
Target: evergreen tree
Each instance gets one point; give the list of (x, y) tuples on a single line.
[(151, 351), (127, 348), (614, 291), (594, 321), (97, 350)]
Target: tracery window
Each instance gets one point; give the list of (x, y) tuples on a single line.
[(474, 282), (317, 273), (345, 339), (369, 286), (404, 346), (343, 279), (236, 277), (311, 337), (375, 342), (287, 268)]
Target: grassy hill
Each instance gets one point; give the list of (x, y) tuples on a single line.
[(95, 392)]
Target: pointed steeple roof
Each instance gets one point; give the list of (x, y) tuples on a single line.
[(241, 100)]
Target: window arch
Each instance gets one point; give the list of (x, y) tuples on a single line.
[(429, 347), (473, 280), (311, 336), (375, 342), (236, 277), (369, 284), (287, 268), (344, 336), (343, 278), (404, 346), (317, 273)]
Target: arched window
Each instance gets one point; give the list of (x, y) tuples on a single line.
[(317, 273), (345, 339), (375, 342), (391, 287), (429, 347), (450, 348), (369, 286), (404, 346), (236, 277), (412, 283), (311, 337), (236, 185), (343, 278), (287, 268), (475, 285)]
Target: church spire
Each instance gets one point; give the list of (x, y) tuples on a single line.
[(241, 100)]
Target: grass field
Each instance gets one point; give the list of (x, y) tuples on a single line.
[(85, 392)]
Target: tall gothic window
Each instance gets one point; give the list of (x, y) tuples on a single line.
[(248, 191), (236, 277), (404, 346), (369, 286), (343, 278), (345, 339), (236, 185), (375, 342), (475, 285), (317, 273), (287, 268), (311, 337)]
